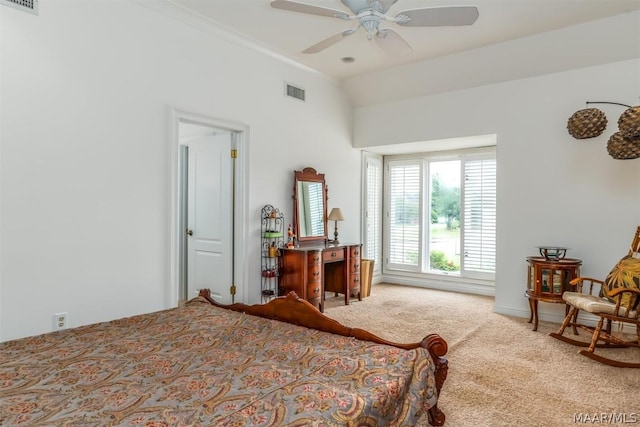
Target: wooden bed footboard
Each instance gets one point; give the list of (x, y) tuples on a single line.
[(297, 311)]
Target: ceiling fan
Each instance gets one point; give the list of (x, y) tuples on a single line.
[(370, 14)]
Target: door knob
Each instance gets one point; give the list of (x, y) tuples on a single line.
[(189, 232)]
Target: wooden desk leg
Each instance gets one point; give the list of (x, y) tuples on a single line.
[(346, 287), (533, 304)]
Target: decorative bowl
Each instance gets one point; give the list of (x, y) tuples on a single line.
[(552, 252)]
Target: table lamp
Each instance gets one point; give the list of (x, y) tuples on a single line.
[(335, 215)]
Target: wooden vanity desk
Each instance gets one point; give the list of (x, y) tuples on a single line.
[(310, 271), (315, 264)]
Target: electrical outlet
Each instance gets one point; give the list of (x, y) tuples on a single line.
[(60, 321)]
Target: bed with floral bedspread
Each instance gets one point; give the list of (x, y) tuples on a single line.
[(203, 365)]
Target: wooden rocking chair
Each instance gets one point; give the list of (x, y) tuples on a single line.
[(618, 301)]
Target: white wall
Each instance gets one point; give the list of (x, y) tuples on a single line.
[(552, 189), (593, 43), (86, 91)]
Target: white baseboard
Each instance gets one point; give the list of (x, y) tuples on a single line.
[(525, 313), (445, 284), (546, 316)]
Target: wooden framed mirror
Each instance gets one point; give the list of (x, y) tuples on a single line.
[(310, 206)]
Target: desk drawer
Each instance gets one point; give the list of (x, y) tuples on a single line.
[(314, 258), (331, 255), (314, 283), (354, 284), (313, 289), (354, 251), (315, 274), (354, 266)]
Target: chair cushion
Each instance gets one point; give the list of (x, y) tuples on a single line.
[(626, 274), (592, 303)]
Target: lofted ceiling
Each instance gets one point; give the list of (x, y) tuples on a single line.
[(287, 33)]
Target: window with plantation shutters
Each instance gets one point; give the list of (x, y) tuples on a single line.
[(479, 220), (404, 219), (372, 244), (440, 216)]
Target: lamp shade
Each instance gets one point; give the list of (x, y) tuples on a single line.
[(335, 215)]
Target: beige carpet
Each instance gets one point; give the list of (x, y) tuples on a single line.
[(501, 373)]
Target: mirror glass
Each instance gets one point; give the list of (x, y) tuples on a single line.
[(310, 206)]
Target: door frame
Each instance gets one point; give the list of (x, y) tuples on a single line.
[(240, 140)]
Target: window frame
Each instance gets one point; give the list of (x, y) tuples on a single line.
[(464, 275)]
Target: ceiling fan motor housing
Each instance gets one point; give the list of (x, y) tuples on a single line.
[(371, 24), (358, 6)]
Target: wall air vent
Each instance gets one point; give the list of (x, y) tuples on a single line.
[(294, 92), (30, 6)]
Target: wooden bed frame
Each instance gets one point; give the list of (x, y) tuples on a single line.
[(297, 311)]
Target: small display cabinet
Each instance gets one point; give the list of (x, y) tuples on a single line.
[(547, 279), (272, 242)]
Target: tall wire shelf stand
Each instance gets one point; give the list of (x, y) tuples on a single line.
[(272, 242)]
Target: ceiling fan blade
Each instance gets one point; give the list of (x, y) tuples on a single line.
[(391, 42), (308, 9), (328, 42), (439, 16)]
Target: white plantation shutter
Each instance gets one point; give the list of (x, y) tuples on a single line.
[(404, 214), (316, 211), (479, 216), (373, 218)]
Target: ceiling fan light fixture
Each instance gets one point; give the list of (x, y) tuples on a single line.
[(370, 23)]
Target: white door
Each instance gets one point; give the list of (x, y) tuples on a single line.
[(209, 216)]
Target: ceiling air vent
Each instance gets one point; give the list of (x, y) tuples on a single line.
[(294, 92), (30, 6)]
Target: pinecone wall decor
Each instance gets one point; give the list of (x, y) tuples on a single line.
[(591, 122), (621, 148), (629, 123), (587, 123)]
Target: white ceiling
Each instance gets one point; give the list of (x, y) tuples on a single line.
[(287, 33)]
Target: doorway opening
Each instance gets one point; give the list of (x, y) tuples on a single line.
[(208, 208)]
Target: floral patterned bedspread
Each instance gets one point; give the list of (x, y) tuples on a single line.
[(200, 365)]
